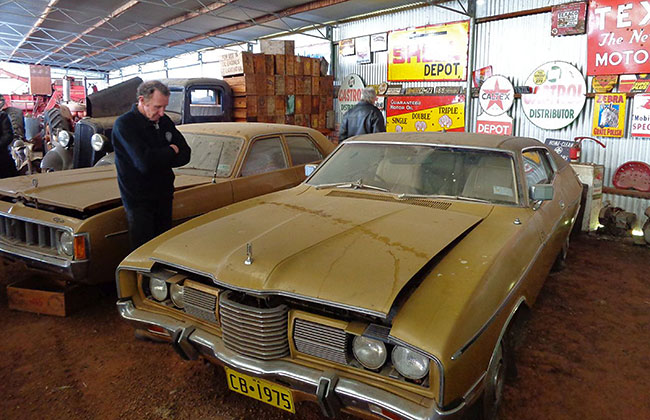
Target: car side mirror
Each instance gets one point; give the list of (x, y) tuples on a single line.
[(541, 192), (310, 168)]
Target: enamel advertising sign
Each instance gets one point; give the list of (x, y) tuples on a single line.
[(609, 115), (559, 95), (350, 92), (496, 95), (641, 116), (500, 125), (429, 53), (617, 40), (425, 113)]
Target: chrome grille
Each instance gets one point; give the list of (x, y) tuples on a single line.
[(29, 233), (256, 332), (321, 340), (200, 304)]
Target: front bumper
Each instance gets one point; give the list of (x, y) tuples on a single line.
[(74, 270), (330, 391)]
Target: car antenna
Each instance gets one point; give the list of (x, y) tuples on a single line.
[(216, 168)]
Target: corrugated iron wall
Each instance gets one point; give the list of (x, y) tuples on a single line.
[(514, 47)]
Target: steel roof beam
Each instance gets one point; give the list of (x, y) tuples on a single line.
[(36, 25)]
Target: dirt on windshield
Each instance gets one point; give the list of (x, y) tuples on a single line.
[(587, 355)]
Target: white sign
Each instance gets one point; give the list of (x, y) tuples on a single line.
[(500, 125), (350, 92), (559, 95), (496, 95), (641, 116)]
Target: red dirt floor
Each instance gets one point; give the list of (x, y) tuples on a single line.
[(586, 355)]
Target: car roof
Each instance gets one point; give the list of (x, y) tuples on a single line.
[(511, 143), (243, 129)]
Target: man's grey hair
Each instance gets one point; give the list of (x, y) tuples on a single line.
[(146, 89), (369, 94)]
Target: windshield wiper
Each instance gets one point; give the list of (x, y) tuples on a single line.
[(354, 185), (446, 197)]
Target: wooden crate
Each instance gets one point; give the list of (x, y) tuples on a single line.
[(237, 63), (299, 119), (269, 64), (290, 85), (298, 61), (269, 46), (315, 67), (270, 85), (306, 104), (261, 106), (290, 65), (49, 297), (315, 104), (259, 63), (314, 121), (315, 85), (270, 105), (322, 120), (306, 65), (289, 119), (322, 104), (280, 106), (243, 85), (326, 85), (280, 63), (299, 104), (280, 88), (306, 85)]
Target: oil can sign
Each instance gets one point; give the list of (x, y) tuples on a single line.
[(559, 95), (496, 95), (350, 92)]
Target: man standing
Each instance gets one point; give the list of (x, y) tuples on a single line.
[(147, 146), (7, 164), (363, 118)]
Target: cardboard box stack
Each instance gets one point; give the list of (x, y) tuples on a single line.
[(278, 86)]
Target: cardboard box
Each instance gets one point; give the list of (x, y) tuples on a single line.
[(49, 297), (268, 46), (237, 63)]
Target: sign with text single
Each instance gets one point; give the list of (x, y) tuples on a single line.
[(559, 95), (641, 116), (429, 53), (617, 37), (609, 115), (500, 125), (425, 113)]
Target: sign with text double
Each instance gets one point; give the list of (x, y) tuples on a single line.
[(425, 113), (429, 53), (618, 37)]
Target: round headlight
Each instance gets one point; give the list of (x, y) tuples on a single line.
[(369, 352), (158, 288), (97, 142), (66, 243), (176, 293), (64, 138), (410, 364)]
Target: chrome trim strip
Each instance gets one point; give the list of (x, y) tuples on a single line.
[(351, 392), (121, 232), (273, 292), (37, 221), (480, 331), (74, 269)]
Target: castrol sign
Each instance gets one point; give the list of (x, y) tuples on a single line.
[(559, 95), (350, 92)]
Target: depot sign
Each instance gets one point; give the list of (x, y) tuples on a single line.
[(617, 41), (500, 125), (429, 53), (559, 95)]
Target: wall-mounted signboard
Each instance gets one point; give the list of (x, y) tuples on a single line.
[(568, 19), (617, 40), (350, 92), (559, 95), (641, 116), (346, 47), (362, 46), (609, 115), (429, 53), (425, 113), (496, 95)]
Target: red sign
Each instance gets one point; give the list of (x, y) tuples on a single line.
[(500, 125), (617, 37), (568, 19)]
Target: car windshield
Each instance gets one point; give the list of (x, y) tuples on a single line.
[(421, 170), (175, 101), (210, 150)]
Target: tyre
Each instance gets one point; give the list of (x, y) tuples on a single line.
[(56, 122), (560, 260), (494, 382), (17, 122)]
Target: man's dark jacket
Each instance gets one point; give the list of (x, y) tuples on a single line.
[(144, 159), (7, 164), (363, 118)]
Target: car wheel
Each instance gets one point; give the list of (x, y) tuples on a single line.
[(560, 260), (494, 382)]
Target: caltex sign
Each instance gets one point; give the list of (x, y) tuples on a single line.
[(496, 95)]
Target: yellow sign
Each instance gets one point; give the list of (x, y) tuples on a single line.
[(437, 52), (267, 392), (609, 115)]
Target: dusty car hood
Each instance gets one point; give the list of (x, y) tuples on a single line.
[(78, 189), (345, 249)]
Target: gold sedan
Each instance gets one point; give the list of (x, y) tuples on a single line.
[(73, 223), (389, 284)]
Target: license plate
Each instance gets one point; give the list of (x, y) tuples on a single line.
[(267, 392)]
